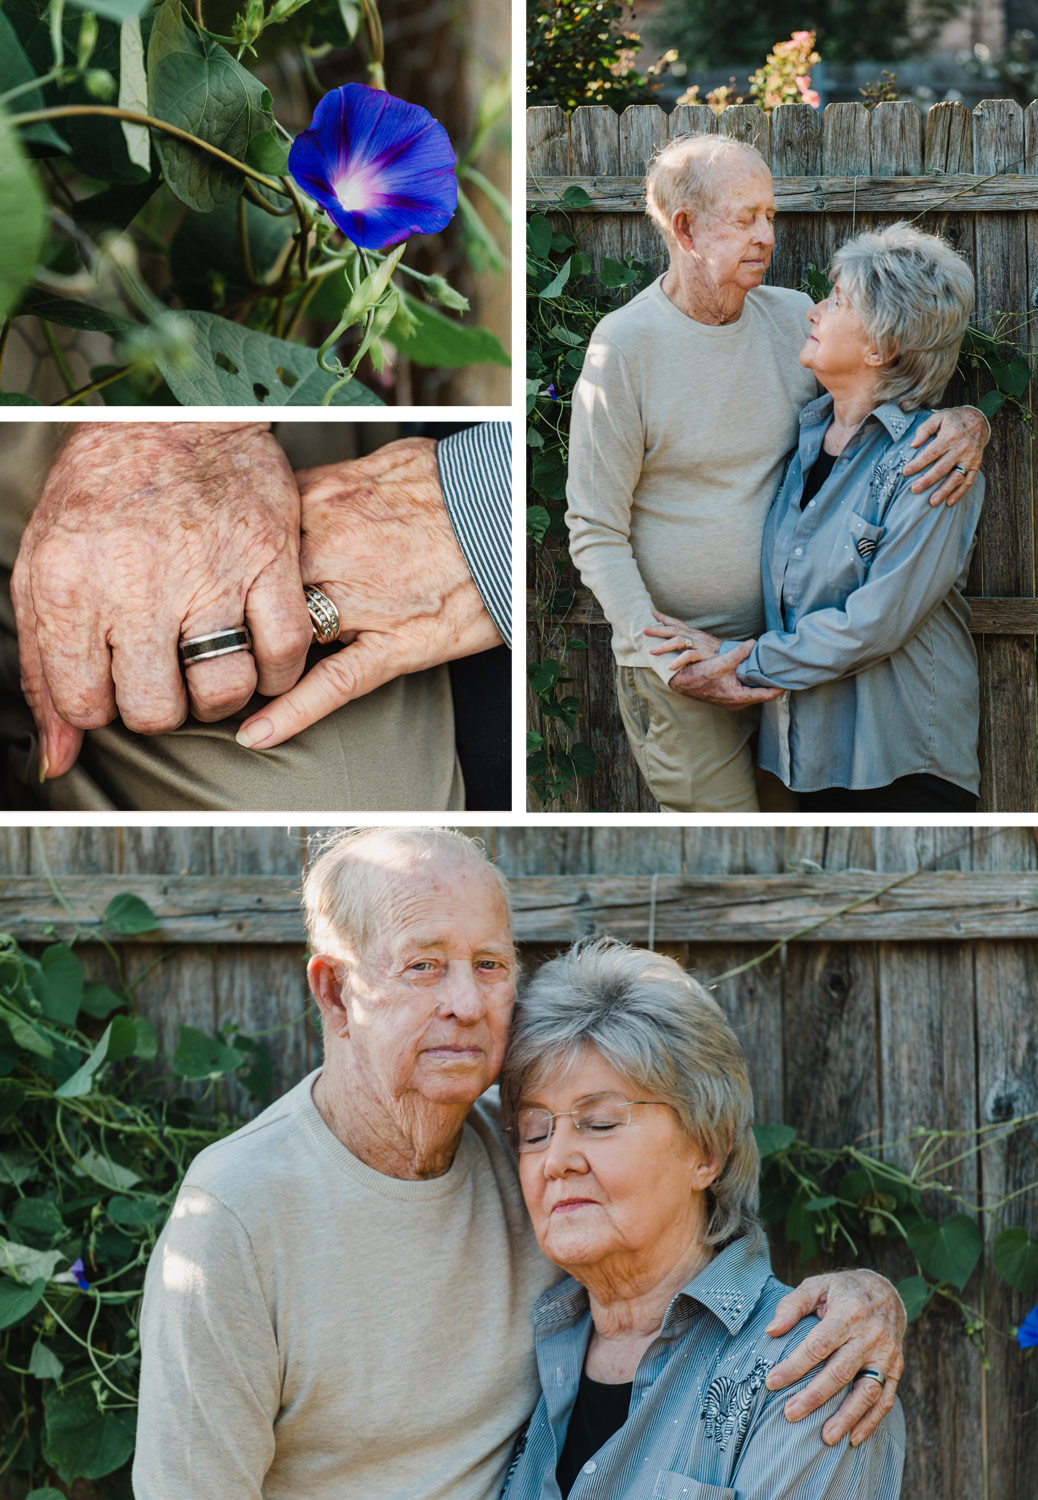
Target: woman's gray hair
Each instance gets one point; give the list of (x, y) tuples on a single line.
[(657, 1027), (914, 296), (681, 176)]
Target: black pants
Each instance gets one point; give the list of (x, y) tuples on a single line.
[(919, 793)]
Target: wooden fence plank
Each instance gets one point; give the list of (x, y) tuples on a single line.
[(796, 147), (950, 906), (928, 1077), (1005, 551), (1008, 1085), (643, 129), (828, 192), (595, 150)]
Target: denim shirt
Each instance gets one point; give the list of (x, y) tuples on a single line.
[(702, 1425), (865, 618)]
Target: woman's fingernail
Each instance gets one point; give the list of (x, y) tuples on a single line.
[(255, 733)]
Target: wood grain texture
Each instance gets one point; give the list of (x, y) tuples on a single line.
[(1005, 548), (928, 1078), (707, 907), (643, 130)]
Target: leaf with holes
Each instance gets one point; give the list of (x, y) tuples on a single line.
[(195, 84), (236, 366)]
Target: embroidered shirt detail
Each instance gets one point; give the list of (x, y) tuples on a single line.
[(731, 1303), (726, 1406)]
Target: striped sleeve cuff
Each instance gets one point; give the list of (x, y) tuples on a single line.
[(476, 479)]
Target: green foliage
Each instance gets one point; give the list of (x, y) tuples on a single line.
[(577, 53), (846, 1202), (564, 304), (92, 1151), (706, 34), (144, 197)]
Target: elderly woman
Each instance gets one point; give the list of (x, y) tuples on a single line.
[(866, 621), (631, 1115)]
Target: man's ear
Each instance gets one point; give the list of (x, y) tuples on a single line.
[(326, 976), (681, 226)]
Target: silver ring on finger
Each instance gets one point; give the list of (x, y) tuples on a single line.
[(688, 645), (961, 469), (216, 643), (323, 615), (870, 1373)]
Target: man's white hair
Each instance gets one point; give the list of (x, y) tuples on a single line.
[(682, 176), (345, 885)]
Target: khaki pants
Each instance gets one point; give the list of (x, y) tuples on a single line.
[(692, 756), (392, 750)]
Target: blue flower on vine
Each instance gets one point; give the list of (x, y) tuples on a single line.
[(552, 392), (78, 1271), (1027, 1333), (382, 169)]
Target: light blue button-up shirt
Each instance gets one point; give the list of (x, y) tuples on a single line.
[(702, 1425), (866, 620)]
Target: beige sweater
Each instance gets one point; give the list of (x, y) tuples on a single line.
[(313, 1330), (677, 443)]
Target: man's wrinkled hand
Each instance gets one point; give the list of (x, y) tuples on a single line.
[(147, 533), (378, 540), (714, 681), (956, 436), (862, 1324)]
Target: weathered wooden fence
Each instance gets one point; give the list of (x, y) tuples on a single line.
[(973, 179), (917, 1006)]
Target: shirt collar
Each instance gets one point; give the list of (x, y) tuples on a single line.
[(896, 421), (730, 1287)]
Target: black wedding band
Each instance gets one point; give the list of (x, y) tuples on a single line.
[(323, 615), (216, 643)]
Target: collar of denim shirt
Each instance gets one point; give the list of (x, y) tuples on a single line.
[(729, 1287), (896, 421)]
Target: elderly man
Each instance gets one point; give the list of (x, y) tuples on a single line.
[(340, 1302), (686, 407), (147, 534)]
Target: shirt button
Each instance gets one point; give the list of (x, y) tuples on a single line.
[(810, 505), (798, 552), (590, 1466)]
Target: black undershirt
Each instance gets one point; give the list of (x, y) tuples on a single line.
[(816, 475), (599, 1411)]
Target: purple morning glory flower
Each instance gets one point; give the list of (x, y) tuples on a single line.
[(78, 1273), (552, 392), (382, 169), (1027, 1333)]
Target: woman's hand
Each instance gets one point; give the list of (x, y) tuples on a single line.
[(378, 540), (694, 645)]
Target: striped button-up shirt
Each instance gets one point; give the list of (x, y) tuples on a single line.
[(476, 478), (702, 1424), (866, 620)]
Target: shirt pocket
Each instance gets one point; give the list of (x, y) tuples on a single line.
[(855, 549), (684, 1487)]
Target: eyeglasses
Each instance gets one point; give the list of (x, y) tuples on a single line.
[(599, 1116)]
